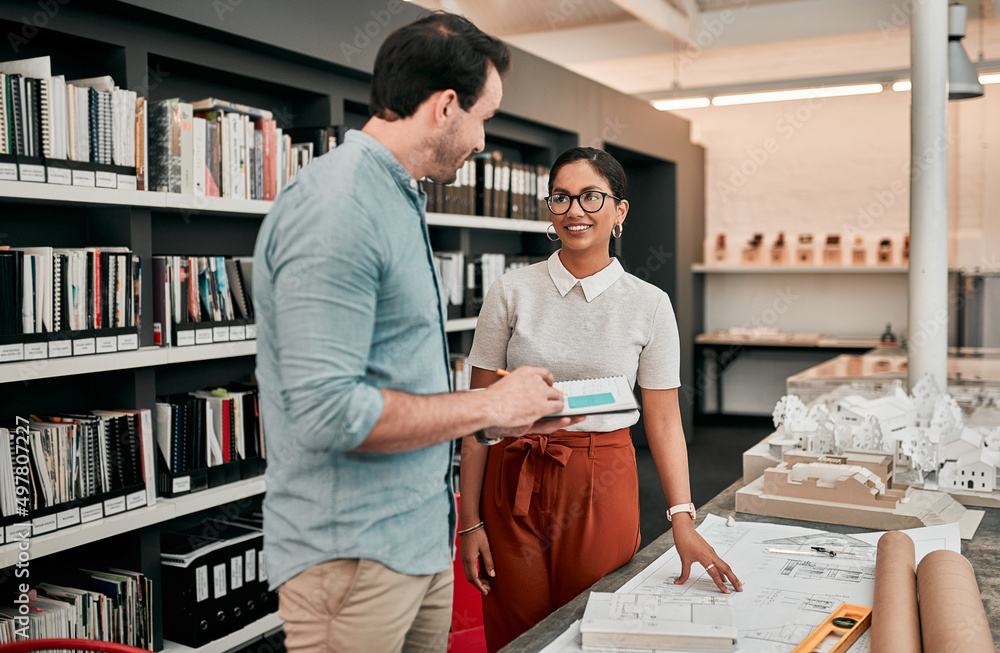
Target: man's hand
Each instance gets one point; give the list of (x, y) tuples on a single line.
[(521, 399)]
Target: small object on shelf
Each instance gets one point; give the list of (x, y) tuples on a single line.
[(805, 254), (906, 250), (832, 253), (888, 338), (720, 249), (779, 253), (885, 251), (859, 255), (751, 253)]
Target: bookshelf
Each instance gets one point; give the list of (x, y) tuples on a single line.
[(268, 58), (260, 628)]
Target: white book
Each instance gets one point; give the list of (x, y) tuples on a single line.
[(657, 622), (610, 394), (198, 150)]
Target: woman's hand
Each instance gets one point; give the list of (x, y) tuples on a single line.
[(476, 546), (692, 547)]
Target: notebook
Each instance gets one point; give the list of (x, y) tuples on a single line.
[(610, 394)]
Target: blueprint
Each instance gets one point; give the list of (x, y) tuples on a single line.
[(786, 592)]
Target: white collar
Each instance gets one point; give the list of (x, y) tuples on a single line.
[(592, 286)]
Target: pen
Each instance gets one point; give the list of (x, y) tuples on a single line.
[(505, 373)]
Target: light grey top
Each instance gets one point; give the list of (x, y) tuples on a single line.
[(608, 324)]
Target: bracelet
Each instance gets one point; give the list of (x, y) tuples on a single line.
[(473, 529)]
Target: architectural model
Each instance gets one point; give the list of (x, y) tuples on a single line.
[(872, 462)]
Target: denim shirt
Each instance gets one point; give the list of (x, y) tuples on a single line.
[(347, 302)]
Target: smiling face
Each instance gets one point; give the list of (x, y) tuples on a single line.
[(579, 230), (463, 135)]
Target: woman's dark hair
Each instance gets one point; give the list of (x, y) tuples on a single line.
[(436, 53), (605, 165)]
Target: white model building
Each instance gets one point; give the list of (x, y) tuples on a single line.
[(923, 431)]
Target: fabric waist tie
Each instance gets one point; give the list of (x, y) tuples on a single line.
[(558, 446)]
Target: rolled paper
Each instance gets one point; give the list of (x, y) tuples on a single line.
[(895, 618), (952, 617)]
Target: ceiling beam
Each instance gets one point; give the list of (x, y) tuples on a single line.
[(678, 18)]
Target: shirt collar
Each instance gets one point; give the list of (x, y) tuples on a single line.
[(592, 286), (386, 159)]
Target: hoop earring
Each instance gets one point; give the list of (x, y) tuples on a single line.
[(617, 228), (553, 233)]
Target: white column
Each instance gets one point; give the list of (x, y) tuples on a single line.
[(928, 308)]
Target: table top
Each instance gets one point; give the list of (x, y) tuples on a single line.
[(983, 552)]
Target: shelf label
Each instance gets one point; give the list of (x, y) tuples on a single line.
[(8, 172), (84, 178), (201, 584), (107, 344), (238, 332), (202, 336), (127, 182), (84, 346), (236, 572), (12, 353), (18, 532), (220, 334), (31, 172), (91, 513), (251, 332), (260, 565), (41, 525), (128, 342), (219, 580), (68, 518), (107, 180), (114, 506), (135, 500), (61, 176), (181, 484), (60, 348), (185, 338), (250, 565), (34, 351)]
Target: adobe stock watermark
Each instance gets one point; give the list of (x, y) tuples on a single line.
[(611, 131), (365, 34), (784, 300), (899, 17), (30, 25), (757, 157), (21, 533), (711, 28)]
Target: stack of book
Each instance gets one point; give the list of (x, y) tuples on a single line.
[(489, 186), (648, 622), (214, 579), (85, 132), (201, 300), (63, 470), (208, 438), (216, 148), (68, 302), (109, 606)]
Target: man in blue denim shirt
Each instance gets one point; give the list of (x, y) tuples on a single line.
[(352, 359)]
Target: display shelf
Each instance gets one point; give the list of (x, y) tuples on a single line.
[(162, 510), (68, 538), (57, 194), (189, 503), (461, 324), (145, 357), (799, 269), (480, 222), (238, 639), (216, 204)]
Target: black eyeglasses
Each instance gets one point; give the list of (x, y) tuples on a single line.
[(591, 201)]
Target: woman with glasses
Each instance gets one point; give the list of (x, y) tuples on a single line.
[(547, 516)]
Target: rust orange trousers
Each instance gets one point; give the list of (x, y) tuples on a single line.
[(561, 512)]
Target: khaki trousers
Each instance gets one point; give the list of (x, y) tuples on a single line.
[(342, 606)]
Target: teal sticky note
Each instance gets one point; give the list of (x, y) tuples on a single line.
[(586, 401)]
